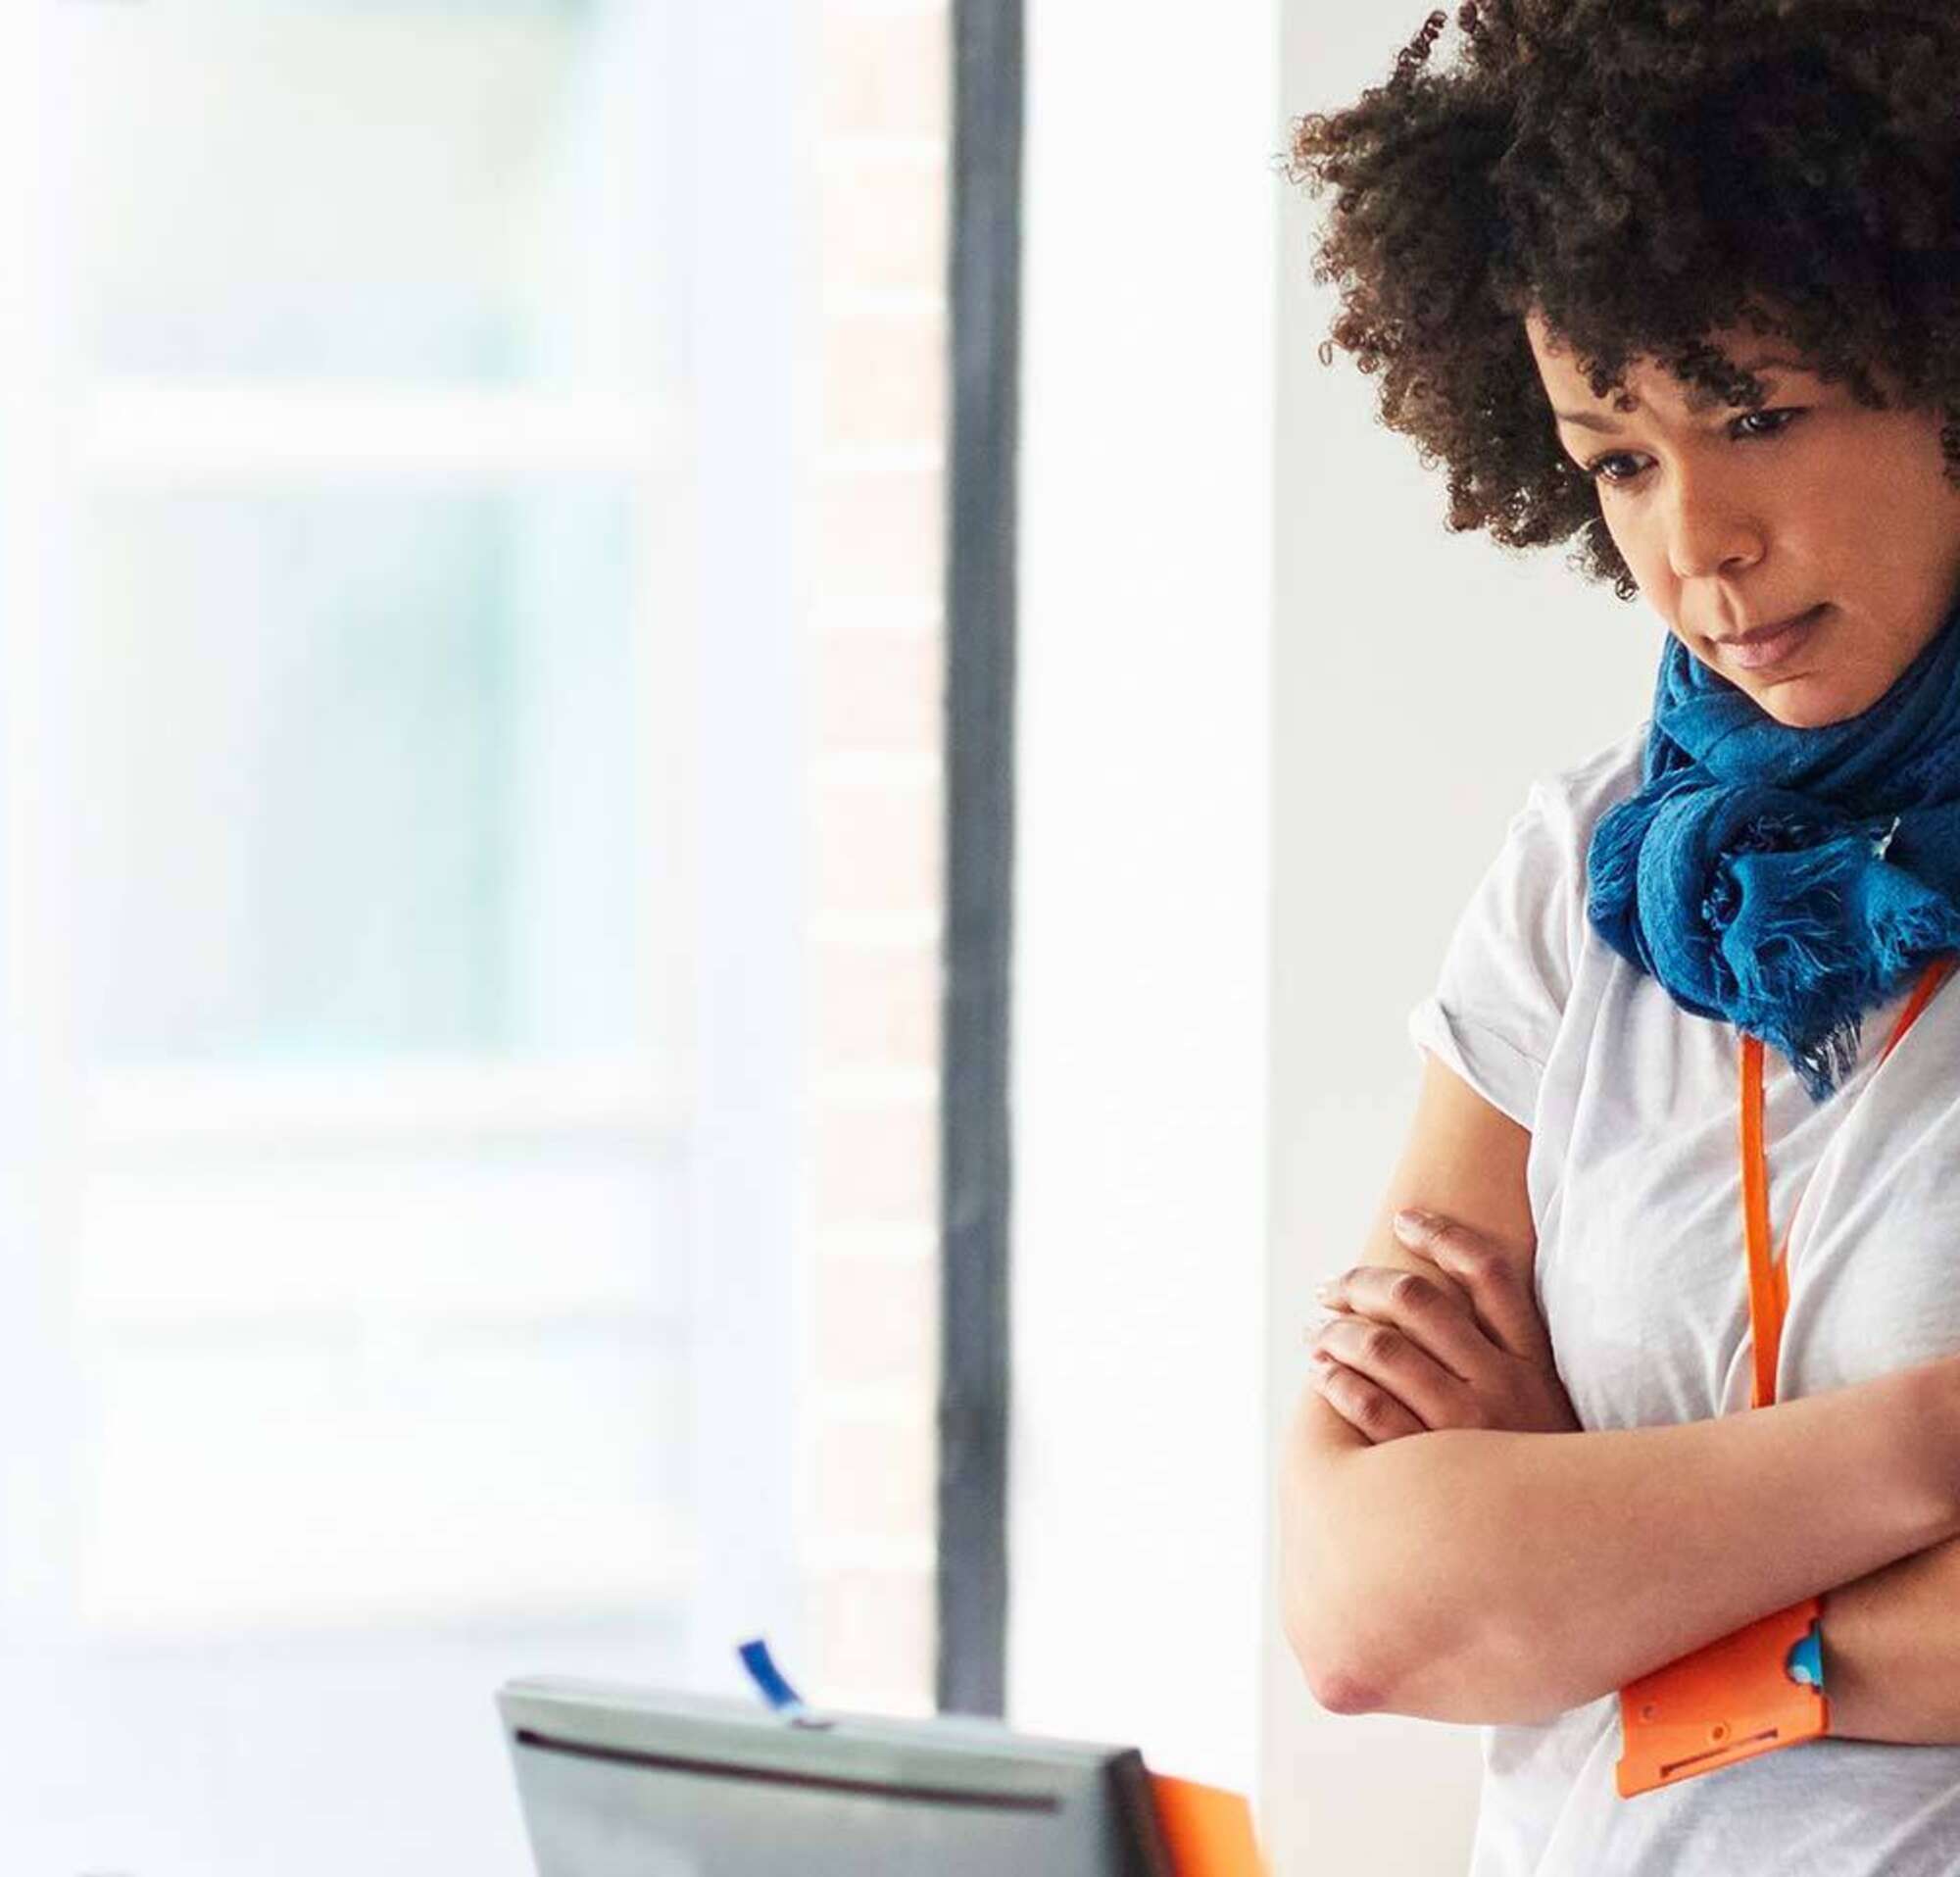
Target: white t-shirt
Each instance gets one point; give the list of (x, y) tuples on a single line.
[(1636, 1193)]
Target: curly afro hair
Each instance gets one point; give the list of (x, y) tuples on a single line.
[(1643, 173)]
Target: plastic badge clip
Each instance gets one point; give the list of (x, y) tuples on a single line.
[(1750, 1692)]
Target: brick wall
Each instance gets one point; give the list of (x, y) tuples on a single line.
[(868, 1287)]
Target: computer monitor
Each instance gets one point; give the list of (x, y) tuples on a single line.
[(631, 1782)]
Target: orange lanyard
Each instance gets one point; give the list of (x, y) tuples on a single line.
[(1769, 1281), (1761, 1688)]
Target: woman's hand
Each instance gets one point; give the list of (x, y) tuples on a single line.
[(1464, 1345)]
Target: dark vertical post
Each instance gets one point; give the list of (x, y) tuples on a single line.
[(984, 323)]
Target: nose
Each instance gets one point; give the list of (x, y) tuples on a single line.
[(1710, 530)]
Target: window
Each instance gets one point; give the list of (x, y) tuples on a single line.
[(449, 1093)]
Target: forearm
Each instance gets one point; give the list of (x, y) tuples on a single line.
[(1472, 1576), (1891, 1650)]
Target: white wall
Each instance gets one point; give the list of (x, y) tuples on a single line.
[(1272, 721), (1141, 963), (1420, 681)]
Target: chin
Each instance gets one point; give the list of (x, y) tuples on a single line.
[(1804, 719), (1804, 700), (1809, 703)]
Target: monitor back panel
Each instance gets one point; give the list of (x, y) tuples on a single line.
[(642, 1796)]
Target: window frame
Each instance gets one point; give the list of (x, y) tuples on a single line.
[(975, 1189)]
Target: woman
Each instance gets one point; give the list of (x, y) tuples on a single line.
[(1681, 283)]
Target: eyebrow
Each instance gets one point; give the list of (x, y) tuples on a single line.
[(1698, 398), (1584, 419)]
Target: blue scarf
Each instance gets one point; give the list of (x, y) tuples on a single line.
[(1788, 880)]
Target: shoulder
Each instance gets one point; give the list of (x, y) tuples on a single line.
[(1562, 806), (1539, 871), (1514, 957), (1526, 927)]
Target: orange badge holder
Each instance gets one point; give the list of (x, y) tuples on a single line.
[(1740, 1696), (1762, 1687)]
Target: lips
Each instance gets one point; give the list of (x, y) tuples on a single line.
[(1764, 646), (1757, 634)]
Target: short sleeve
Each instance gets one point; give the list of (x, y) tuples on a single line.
[(1509, 970)]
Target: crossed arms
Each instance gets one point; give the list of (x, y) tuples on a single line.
[(1480, 1575)]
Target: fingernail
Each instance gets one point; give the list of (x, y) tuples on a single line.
[(1411, 1226), (1326, 1293)]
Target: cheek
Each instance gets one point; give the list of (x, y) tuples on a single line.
[(1906, 553), (1931, 526), (1646, 559), (1885, 498)]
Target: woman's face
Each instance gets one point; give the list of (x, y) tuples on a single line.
[(1810, 508)]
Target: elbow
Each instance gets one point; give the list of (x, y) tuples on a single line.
[(1336, 1683), (1374, 1633), (1311, 1605), (1340, 1693), (1472, 1679), (1465, 1688)]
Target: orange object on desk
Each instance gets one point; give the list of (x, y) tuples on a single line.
[(1208, 1831)]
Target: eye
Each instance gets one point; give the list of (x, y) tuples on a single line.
[(1598, 468), (1778, 422)]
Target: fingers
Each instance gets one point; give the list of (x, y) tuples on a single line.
[(1431, 1309), (1496, 1281), (1460, 1344), (1381, 1354), (1367, 1408)]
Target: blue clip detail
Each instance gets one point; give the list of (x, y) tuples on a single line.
[(768, 1678), (1805, 1660)]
